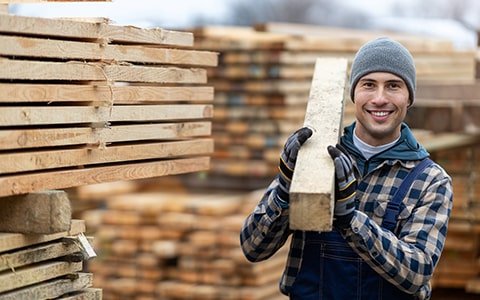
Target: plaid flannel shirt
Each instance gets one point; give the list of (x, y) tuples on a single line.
[(405, 258)]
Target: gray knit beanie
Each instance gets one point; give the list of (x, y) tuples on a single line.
[(384, 55)]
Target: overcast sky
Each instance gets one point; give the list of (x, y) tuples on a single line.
[(144, 13)]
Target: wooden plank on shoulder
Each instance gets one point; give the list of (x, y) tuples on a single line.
[(33, 138), (21, 184), (90, 71), (21, 25), (20, 92), (51, 289), (13, 116), (36, 273), (10, 241), (312, 188)]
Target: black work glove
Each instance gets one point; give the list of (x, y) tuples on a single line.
[(288, 159), (345, 186)]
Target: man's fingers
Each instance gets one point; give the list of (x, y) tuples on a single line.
[(334, 152), (341, 148), (339, 170), (303, 134)]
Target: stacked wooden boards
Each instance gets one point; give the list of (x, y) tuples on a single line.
[(85, 102), (45, 266), (459, 265), (263, 80), (446, 107), (179, 246)]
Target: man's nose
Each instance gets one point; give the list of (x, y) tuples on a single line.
[(380, 97)]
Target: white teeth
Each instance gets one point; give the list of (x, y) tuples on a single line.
[(379, 113)]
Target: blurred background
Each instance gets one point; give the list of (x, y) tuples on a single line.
[(176, 237), (454, 20)]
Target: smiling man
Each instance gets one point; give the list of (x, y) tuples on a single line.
[(392, 203)]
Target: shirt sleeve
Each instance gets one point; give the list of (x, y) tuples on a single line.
[(266, 229), (408, 259)]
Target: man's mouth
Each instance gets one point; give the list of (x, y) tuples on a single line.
[(380, 114)]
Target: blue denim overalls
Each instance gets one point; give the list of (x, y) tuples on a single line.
[(331, 270)]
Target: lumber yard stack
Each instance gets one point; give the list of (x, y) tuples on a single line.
[(85, 102), (42, 250), (89, 102), (459, 266), (160, 245), (452, 110), (262, 84)]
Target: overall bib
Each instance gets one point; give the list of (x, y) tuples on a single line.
[(331, 270)]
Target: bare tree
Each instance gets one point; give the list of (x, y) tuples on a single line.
[(459, 10), (323, 12), (247, 12)]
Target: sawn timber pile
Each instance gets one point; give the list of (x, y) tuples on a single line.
[(85, 102)]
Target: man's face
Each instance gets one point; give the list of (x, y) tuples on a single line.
[(381, 102)]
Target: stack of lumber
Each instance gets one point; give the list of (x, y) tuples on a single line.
[(45, 266), (90, 102), (446, 107), (459, 265), (264, 77), (179, 246), (42, 249)]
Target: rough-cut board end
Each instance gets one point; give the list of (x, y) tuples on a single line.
[(313, 179), (313, 212)]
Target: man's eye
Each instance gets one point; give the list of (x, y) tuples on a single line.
[(394, 86), (368, 84)]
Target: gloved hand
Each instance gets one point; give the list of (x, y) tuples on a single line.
[(345, 186), (288, 159)]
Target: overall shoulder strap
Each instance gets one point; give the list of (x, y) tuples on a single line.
[(393, 207)]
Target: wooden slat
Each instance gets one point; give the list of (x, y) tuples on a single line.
[(31, 255), (239, 99), (87, 71), (10, 241), (47, 48), (51, 289), (286, 114), (270, 57), (263, 86), (261, 71), (354, 37), (263, 126), (311, 190), (449, 141), (36, 273), (13, 116), (44, 160), (32, 138), (12, 185), (51, 93), (89, 30), (87, 294)]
